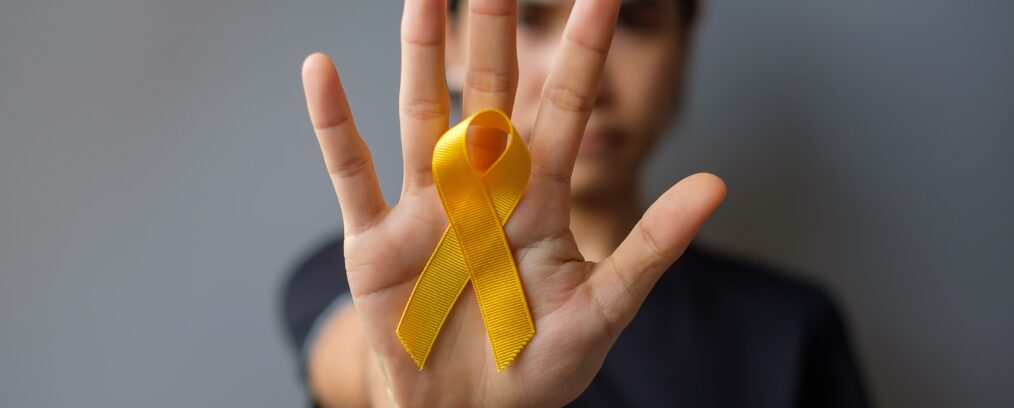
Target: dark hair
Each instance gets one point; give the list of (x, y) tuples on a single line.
[(687, 9)]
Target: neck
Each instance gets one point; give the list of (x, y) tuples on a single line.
[(600, 225)]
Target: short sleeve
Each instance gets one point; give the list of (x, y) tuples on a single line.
[(312, 288)]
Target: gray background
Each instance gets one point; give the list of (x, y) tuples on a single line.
[(158, 175)]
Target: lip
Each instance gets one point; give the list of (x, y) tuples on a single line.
[(595, 141)]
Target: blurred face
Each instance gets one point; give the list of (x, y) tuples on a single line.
[(640, 86)]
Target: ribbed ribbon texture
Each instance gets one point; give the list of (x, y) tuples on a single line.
[(473, 247)]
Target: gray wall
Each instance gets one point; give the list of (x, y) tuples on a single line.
[(158, 175)]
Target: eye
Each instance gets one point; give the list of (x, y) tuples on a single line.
[(532, 17)]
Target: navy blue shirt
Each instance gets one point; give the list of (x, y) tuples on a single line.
[(714, 332)]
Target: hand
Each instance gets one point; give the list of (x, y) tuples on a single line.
[(579, 307)]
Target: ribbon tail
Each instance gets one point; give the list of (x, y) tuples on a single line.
[(437, 289), (510, 328)]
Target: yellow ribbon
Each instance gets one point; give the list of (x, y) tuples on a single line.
[(473, 246)]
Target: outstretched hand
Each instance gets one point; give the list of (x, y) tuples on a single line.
[(579, 307)]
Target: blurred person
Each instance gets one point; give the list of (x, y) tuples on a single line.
[(626, 312)]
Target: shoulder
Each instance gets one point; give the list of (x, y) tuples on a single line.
[(317, 274), (315, 280), (327, 255)]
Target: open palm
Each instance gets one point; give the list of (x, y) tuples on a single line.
[(579, 308)]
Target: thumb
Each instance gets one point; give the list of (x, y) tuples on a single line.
[(622, 281)]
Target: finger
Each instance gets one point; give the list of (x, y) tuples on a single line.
[(346, 156), (424, 102), (569, 92), (491, 73), (622, 281)]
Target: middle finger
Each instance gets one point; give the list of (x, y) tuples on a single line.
[(491, 74)]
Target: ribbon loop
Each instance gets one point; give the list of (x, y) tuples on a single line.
[(473, 247)]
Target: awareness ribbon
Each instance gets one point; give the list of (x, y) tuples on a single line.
[(473, 247)]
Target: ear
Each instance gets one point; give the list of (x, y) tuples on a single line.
[(454, 53)]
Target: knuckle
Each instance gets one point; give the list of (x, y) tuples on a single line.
[(425, 109), (568, 99), (489, 80), (608, 323), (621, 278), (555, 177), (351, 166), (600, 49), (490, 9), (422, 39), (659, 255), (333, 122)]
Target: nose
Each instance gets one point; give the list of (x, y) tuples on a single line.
[(607, 84)]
